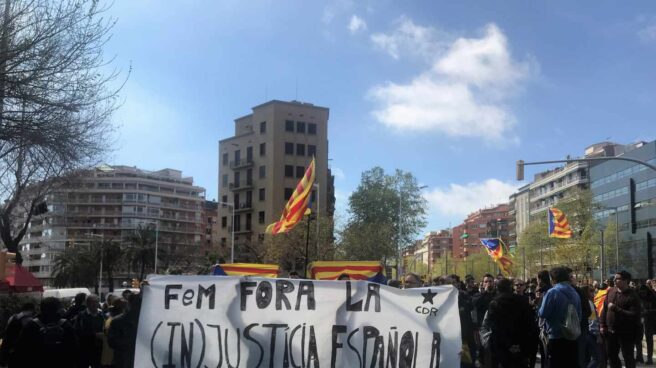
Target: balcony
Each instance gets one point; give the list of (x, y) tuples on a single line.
[(243, 207), (241, 163), (241, 185)]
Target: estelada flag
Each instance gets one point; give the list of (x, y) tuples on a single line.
[(246, 269), (296, 205), (494, 248), (357, 270), (558, 224)]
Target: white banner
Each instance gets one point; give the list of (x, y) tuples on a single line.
[(210, 321)]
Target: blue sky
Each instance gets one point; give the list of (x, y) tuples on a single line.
[(453, 91)]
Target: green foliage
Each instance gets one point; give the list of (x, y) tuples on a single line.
[(288, 250), (141, 252), (76, 266), (386, 213)]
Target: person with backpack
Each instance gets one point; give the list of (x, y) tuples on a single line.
[(89, 325), (15, 325), (620, 321), (48, 340), (561, 310)]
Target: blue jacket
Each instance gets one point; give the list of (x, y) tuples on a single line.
[(554, 307)]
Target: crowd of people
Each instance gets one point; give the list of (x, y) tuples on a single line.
[(508, 322), (86, 334), (505, 323)]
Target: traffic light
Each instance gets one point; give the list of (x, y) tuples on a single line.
[(135, 283), (6, 263), (520, 170)]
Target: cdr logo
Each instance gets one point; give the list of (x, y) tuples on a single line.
[(424, 310)]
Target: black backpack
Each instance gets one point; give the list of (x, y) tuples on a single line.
[(52, 334)]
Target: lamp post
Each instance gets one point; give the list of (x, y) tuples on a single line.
[(232, 228), (156, 222)]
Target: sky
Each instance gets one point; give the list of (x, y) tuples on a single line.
[(452, 91)]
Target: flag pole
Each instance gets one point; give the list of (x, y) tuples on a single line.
[(307, 246)]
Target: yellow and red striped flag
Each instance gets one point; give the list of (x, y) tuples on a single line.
[(246, 269), (296, 205), (357, 270), (558, 224)]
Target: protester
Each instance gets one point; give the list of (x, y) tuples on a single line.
[(509, 329), (15, 325), (122, 334), (520, 289), (107, 357), (556, 311), (620, 321), (411, 281), (294, 275), (344, 277), (77, 306), (593, 345), (394, 283), (49, 340), (89, 328), (648, 308), (481, 302), (582, 340)]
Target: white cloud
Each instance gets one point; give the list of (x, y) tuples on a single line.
[(339, 173), (648, 33), (462, 200), (357, 24), (410, 38), (462, 94)]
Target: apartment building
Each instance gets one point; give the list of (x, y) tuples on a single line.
[(433, 252), (625, 193), (518, 214), (485, 223), (260, 166), (210, 237), (110, 202)]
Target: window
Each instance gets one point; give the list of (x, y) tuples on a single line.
[(300, 171), (236, 183), (249, 177), (300, 149), (262, 194), (224, 180), (237, 223), (225, 159), (289, 126), (224, 221), (263, 127), (288, 193), (237, 156), (248, 221), (312, 150), (300, 127), (312, 128), (262, 149), (249, 154), (289, 171), (260, 217), (224, 199), (262, 172), (289, 148)]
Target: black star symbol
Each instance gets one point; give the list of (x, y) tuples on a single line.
[(428, 296)]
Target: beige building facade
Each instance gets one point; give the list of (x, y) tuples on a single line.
[(110, 203), (260, 166)]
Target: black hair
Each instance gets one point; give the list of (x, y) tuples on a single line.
[(294, 273), (50, 306), (488, 275), (80, 298), (28, 306), (625, 275), (559, 274), (504, 286)]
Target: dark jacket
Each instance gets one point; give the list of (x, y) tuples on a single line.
[(649, 311), (625, 318), (33, 352), (512, 330), (481, 302), (122, 337), (585, 310), (15, 325)]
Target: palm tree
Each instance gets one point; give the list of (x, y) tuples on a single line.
[(111, 259), (76, 266), (141, 250)]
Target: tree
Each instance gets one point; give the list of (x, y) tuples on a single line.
[(112, 257), (288, 249), (386, 213), (55, 101), (140, 252), (77, 265)]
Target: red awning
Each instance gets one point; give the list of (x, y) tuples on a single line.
[(21, 280)]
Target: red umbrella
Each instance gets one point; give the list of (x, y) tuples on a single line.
[(21, 280)]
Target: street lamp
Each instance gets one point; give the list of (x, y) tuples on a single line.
[(232, 226)]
